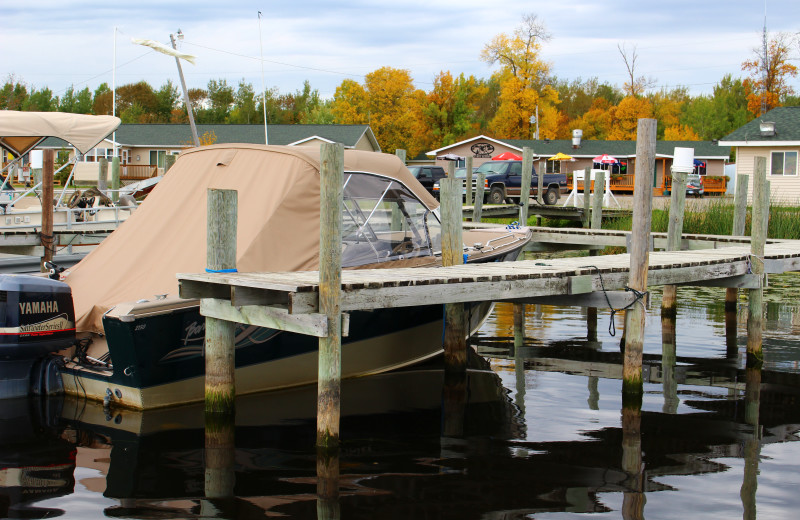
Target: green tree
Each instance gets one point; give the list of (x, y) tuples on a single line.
[(245, 109), (13, 94), (137, 100), (80, 102), (221, 98), (167, 100), (40, 100), (102, 102)]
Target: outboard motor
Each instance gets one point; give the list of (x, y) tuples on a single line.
[(36, 318)]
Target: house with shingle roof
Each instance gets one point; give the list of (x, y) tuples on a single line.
[(483, 148), (145, 146), (775, 136)]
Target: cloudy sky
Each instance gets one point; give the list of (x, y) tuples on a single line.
[(694, 43)]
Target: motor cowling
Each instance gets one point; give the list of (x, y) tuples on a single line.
[(37, 317)]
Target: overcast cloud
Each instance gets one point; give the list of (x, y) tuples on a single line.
[(680, 42)]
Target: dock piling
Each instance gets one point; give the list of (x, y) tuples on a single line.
[(477, 209), (677, 203), (525, 185), (115, 179), (739, 220), (455, 333), (330, 294), (586, 220), (632, 387), (468, 196), (758, 236), (220, 384), (47, 238), (102, 174)]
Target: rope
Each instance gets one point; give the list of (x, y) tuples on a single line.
[(612, 329)]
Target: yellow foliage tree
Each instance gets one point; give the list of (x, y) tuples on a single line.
[(394, 107), (350, 104), (767, 83), (625, 118), (524, 79), (680, 133), (595, 122)]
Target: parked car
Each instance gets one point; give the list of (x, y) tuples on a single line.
[(694, 185), (427, 175), (460, 173), (504, 178)]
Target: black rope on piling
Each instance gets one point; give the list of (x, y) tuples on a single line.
[(612, 328)]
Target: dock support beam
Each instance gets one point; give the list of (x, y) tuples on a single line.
[(758, 236), (220, 383), (455, 327), (739, 219), (677, 204), (632, 387), (330, 295)]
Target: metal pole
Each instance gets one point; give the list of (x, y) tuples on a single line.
[(185, 94), (263, 87)]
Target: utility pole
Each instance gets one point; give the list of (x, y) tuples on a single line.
[(185, 92)]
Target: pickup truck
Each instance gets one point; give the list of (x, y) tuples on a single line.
[(504, 178)]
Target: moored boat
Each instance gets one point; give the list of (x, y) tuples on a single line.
[(141, 346)]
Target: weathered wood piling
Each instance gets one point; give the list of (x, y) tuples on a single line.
[(455, 333), (739, 220), (220, 383), (525, 185), (48, 170), (469, 195), (639, 258), (758, 235), (677, 203), (330, 283), (115, 182)]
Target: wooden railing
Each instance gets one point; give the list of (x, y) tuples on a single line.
[(624, 183), (713, 184), (137, 172)]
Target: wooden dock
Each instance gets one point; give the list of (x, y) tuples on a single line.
[(541, 210), (289, 301)]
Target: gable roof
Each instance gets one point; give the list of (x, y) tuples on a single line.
[(787, 129), (178, 136), (592, 148)]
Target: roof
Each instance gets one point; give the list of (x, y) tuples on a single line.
[(787, 129), (178, 136), (592, 148)]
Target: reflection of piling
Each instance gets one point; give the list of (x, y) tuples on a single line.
[(455, 333), (220, 456), (519, 325), (668, 361), (330, 284), (596, 223), (328, 485), (633, 498), (677, 204), (758, 235), (639, 258), (731, 332), (752, 446), (220, 391)]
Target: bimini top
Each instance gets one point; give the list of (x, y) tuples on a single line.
[(278, 221), (20, 132)]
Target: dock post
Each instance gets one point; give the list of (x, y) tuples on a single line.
[(468, 196), (477, 209), (739, 219), (102, 174), (677, 203), (455, 333), (115, 180), (401, 154), (597, 201), (47, 238), (220, 383), (540, 185), (758, 236), (525, 185), (586, 221), (632, 387), (330, 295)]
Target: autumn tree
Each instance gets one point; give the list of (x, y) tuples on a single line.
[(103, 100), (350, 103), (449, 111), (524, 79), (624, 118), (596, 122), (136, 103), (634, 86), (769, 72)]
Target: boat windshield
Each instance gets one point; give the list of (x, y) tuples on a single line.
[(383, 221)]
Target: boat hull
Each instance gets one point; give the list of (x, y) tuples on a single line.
[(158, 360)]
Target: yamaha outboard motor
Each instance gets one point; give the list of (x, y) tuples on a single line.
[(36, 318)]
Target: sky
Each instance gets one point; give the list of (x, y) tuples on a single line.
[(58, 44)]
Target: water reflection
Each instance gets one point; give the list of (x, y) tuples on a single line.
[(537, 427)]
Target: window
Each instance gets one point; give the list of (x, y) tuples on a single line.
[(553, 166), (157, 158), (783, 163)]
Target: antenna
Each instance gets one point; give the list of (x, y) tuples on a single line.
[(263, 87)]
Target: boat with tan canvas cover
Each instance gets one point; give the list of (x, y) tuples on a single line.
[(141, 346)]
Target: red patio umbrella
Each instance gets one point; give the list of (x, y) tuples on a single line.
[(507, 156), (605, 159)]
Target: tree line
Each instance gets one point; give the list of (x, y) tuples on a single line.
[(460, 107)]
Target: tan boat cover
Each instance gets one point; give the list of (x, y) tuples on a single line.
[(278, 222), (22, 131)]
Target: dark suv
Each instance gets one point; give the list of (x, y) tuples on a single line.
[(504, 180), (427, 175)]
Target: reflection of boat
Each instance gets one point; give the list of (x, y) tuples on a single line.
[(149, 353)]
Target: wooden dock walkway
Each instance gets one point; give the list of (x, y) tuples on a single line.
[(293, 296)]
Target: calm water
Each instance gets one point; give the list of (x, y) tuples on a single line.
[(536, 431)]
